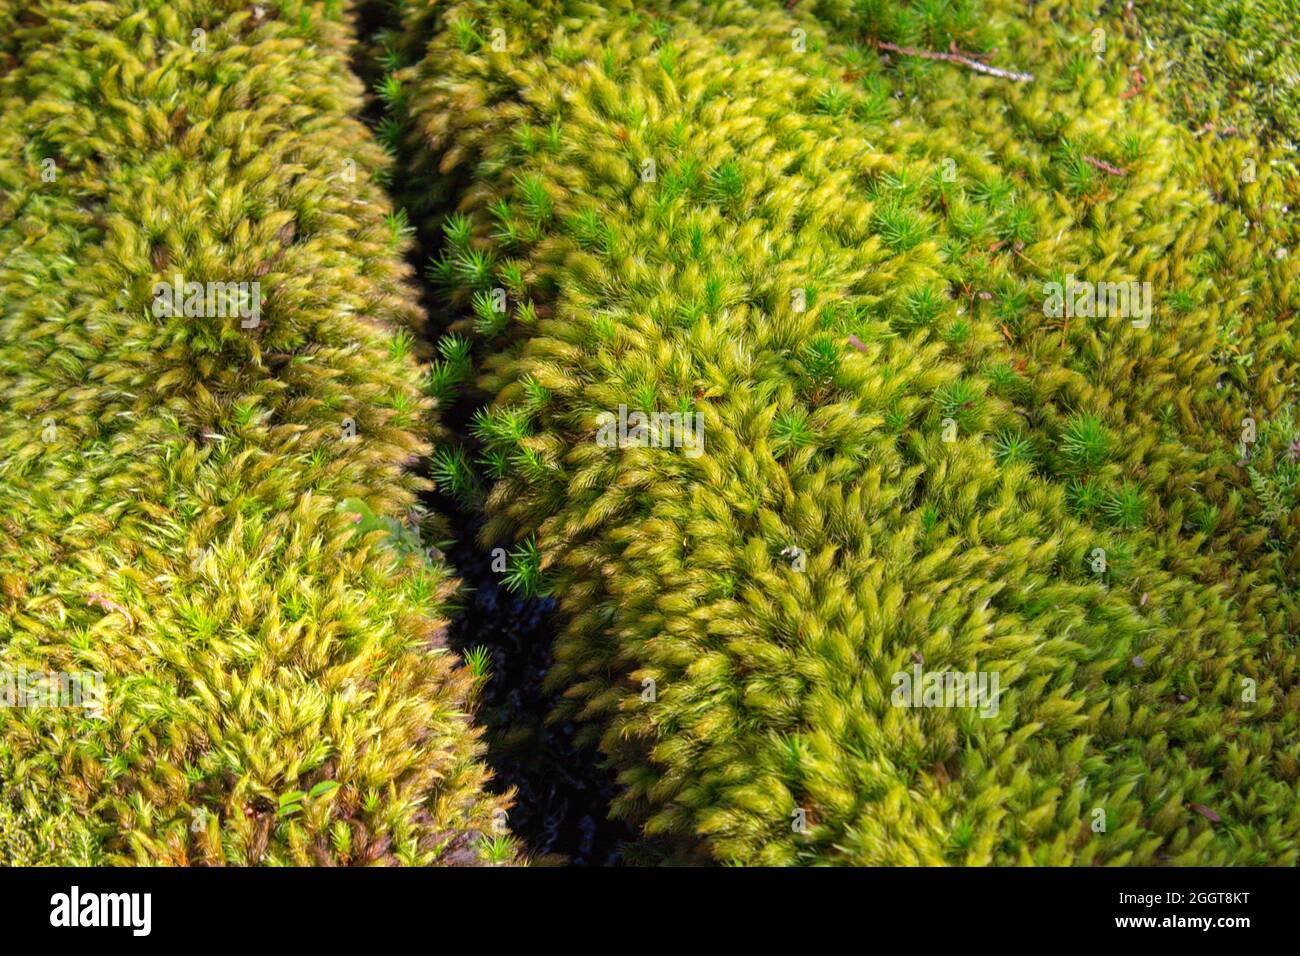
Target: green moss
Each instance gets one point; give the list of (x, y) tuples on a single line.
[(788, 268), (42, 827), (179, 495), (828, 255)]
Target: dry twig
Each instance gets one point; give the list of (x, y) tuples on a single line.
[(1104, 166), (966, 60)]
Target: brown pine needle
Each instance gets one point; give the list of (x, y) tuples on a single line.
[(1136, 81)]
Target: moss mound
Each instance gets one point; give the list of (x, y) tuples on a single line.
[(207, 504), (898, 399), (837, 251), (1236, 66)]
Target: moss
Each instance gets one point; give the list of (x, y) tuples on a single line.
[(180, 494), (1234, 67), (827, 251), (42, 827), (717, 216)]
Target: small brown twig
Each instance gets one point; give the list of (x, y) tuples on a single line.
[(965, 60), (1104, 166), (982, 57), (1019, 249)]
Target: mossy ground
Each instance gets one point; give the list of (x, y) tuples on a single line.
[(827, 228), (219, 519), (835, 254)]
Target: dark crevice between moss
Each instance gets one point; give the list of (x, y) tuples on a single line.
[(562, 791)]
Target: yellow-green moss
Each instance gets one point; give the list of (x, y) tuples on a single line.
[(277, 689), (838, 259)]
